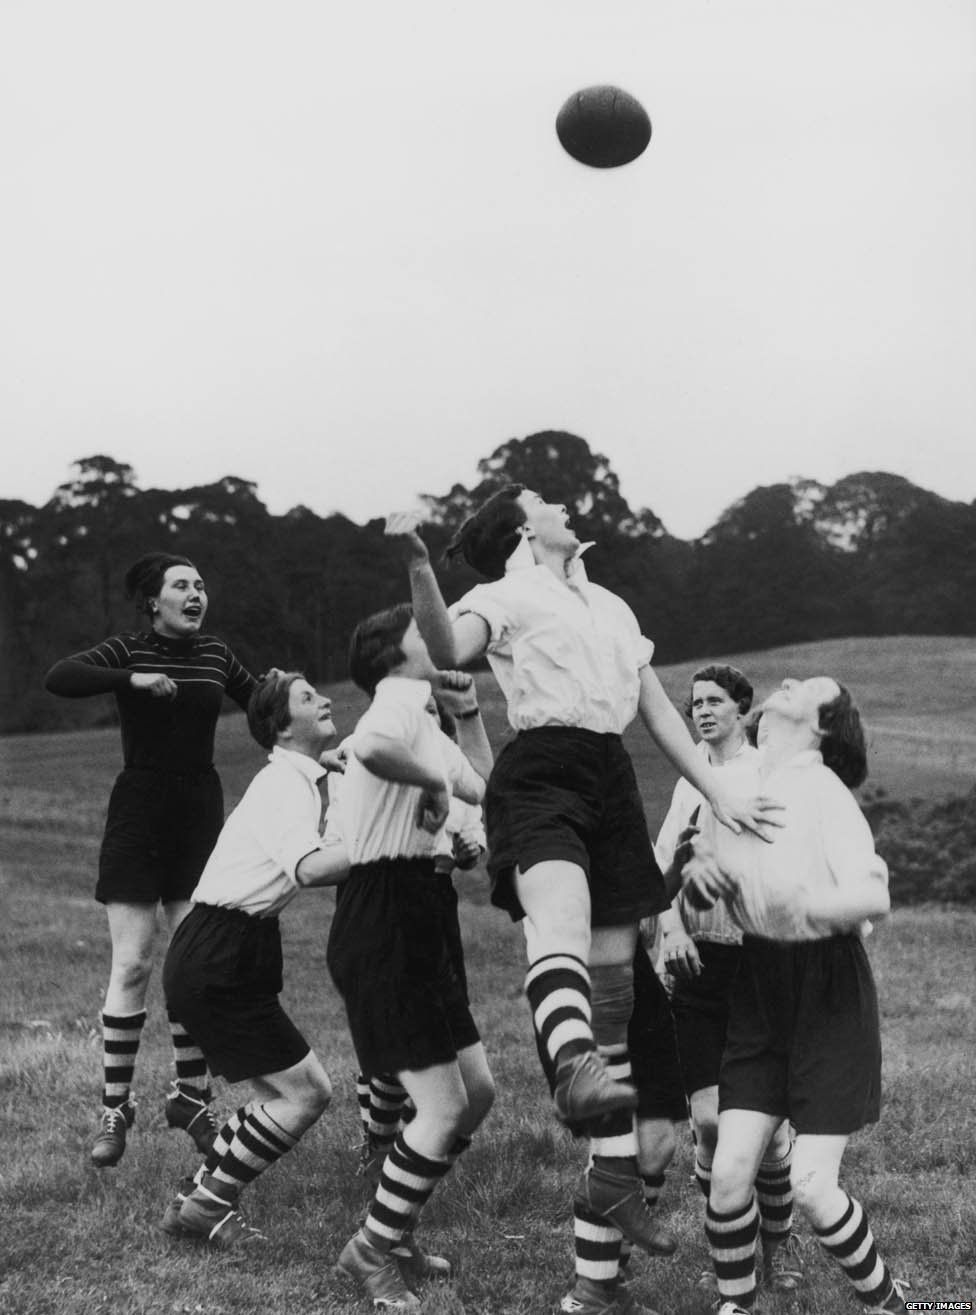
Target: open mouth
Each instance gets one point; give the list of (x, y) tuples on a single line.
[(193, 611)]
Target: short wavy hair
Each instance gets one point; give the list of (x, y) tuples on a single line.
[(267, 708), (490, 535), (728, 678), (144, 578), (374, 650), (843, 743)]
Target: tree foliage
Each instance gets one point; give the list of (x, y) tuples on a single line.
[(873, 554)]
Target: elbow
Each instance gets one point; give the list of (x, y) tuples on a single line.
[(53, 681)]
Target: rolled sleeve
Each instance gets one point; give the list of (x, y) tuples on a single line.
[(484, 601)]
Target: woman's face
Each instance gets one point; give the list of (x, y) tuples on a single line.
[(178, 610)]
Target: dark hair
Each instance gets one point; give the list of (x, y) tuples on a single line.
[(374, 649), (843, 745), (488, 538), (728, 678), (267, 708), (144, 578)]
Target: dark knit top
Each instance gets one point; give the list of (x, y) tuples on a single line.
[(169, 735)]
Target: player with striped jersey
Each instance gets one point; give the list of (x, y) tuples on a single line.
[(164, 815)]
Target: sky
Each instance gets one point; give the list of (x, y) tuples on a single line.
[(337, 250)]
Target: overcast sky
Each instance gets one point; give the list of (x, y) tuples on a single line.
[(336, 249)]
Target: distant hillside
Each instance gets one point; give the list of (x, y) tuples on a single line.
[(789, 563)]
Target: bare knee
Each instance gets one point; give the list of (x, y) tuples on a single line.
[(131, 972), (706, 1134), (731, 1179), (319, 1096), (657, 1142)]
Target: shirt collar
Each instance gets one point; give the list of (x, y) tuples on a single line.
[(521, 558), (301, 762), (404, 687)]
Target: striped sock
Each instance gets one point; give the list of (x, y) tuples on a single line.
[(851, 1243), (222, 1144), (774, 1196), (406, 1183), (254, 1147), (703, 1173), (387, 1099), (597, 1245), (732, 1242), (120, 1045), (615, 1144), (558, 990), (191, 1066)]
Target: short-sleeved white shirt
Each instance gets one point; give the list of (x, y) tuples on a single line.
[(742, 769), (564, 652), (824, 843), (276, 823), (378, 818)]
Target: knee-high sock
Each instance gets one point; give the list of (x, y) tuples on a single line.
[(774, 1196), (188, 1058), (405, 1186), (256, 1144), (558, 991), (222, 1144), (120, 1045), (387, 1100), (615, 1145), (851, 1243), (732, 1242), (597, 1247)]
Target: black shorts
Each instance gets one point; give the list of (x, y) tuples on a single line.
[(653, 1049), (222, 978), (701, 1013), (562, 793), (804, 1040), (160, 831), (406, 1003)]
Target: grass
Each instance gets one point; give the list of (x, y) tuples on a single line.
[(75, 1240)]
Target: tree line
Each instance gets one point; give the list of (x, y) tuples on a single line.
[(872, 554)]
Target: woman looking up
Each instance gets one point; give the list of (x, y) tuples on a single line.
[(164, 815)]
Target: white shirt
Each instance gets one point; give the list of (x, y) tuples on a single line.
[(271, 830), (378, 818), (825, 842), (565, 653), (716, 923), (464, 820)]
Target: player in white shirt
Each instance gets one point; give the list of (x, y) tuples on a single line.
[(567, 838), (223, 971), (701, 949), (406, 1003), (804, 1036)]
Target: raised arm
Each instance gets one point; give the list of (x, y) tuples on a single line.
[(669, 733), (450, 643)]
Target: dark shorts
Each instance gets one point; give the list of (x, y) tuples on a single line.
[(222, 978), (390, 960), (653, 1049), (562, 793), (160, 831), (804, 1040), (701, 1013)]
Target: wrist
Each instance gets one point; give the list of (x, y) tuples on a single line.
[(467, 716)]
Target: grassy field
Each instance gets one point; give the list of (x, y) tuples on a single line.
[(74, 1240)]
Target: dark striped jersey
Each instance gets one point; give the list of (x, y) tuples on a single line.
[(171, 735)]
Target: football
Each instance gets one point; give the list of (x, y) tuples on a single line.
[(603, 127)]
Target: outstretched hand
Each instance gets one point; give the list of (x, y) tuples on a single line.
[(758, 815), (405, 526)]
